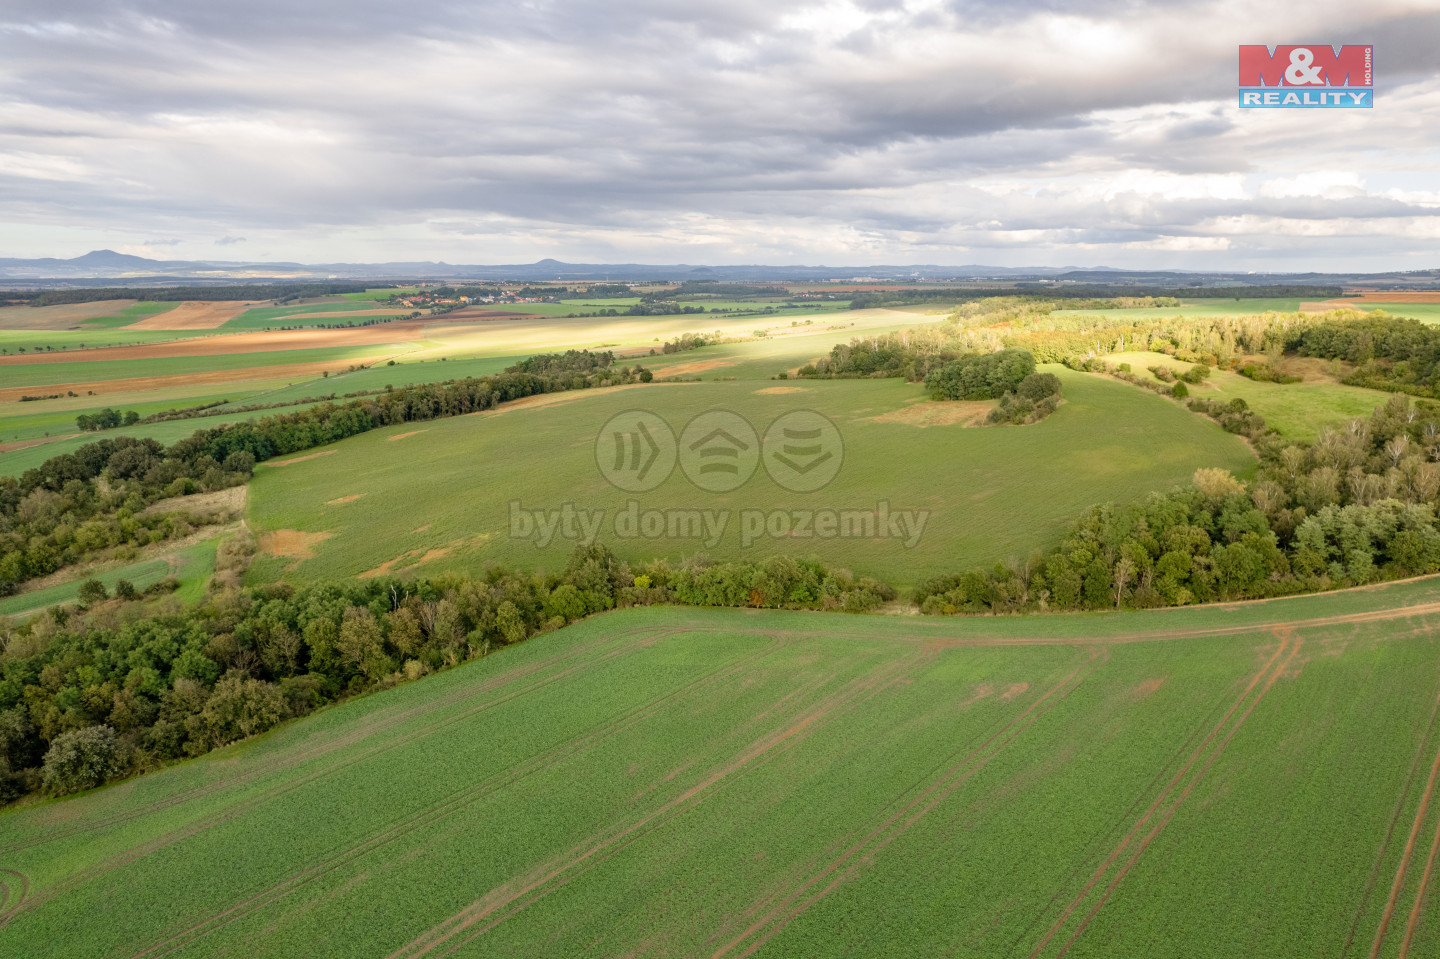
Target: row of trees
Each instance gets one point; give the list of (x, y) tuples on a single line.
[(1356, 506), (124, 687), (78, 504)]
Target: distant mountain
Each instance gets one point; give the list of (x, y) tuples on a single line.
[(123, 269)]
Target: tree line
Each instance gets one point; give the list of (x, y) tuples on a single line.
[(1356, 506), (124, 687), (77, 505)]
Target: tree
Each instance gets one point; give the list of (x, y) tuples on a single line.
[(124, 589), (81, 759), (92, 591)]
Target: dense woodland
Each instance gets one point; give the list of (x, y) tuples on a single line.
[(124, 687)]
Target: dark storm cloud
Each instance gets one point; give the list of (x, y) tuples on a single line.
[(796, 130)]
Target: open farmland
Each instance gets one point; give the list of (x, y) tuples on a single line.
[(1209, 782), (991, 493)]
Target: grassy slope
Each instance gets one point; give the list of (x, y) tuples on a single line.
[(685, 782), (191, 565), (994, 493), (1297, 410)]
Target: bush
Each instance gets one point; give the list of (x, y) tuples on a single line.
[(92, 591), (82, 759), (983, 376), (1180, 391)]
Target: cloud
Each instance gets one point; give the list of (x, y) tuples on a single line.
[(788, 130), (229, 240)]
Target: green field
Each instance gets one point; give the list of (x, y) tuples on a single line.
[(192, 565), (1209, 782), (1295, 410), (275, 317), (45, 374), (992, 493)]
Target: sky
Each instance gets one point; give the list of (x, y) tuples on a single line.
[(1022, 133)]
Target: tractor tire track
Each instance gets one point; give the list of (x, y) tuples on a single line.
[(306, 753), (841, 868), (1155, 807), (501, 903), (235, 810), (456, 802), (1415, 763), (1404, 865)]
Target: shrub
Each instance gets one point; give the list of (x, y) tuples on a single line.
[(82, 759), (92, 591)]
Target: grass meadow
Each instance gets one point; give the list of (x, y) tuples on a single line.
[(192, 565), (1297, 411), (1205, 782), (442, 490)]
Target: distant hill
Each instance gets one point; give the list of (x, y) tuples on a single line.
[(123, 269)]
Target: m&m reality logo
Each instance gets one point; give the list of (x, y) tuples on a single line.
[(1316, 76)]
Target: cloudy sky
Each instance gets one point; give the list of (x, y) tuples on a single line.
[(1030, 132)]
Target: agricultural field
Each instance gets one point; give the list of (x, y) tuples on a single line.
[(1248, 780), (988, 493)]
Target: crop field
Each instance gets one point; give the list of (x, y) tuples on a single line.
[(1256, 780), (991, 492)]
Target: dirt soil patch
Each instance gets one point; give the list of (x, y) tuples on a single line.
[(401, 436), (557, 399), (292, 543), (26, 444), (414, 557), (265, 341), (300, 459), (344, 499), (777, 390), (194, 315), (940, 413), (231, 500), (61, 316), (699, 366)]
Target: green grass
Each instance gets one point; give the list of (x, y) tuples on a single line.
[(1297, 411), (380, 294), (17, 462), (993, 493), (192, 565), (275, 317), (403, 373), (1212, 782), (46, 374)]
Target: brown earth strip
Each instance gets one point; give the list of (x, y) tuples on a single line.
[(777, 390), (344, 499), (26, 444), (947, 413), (230, 344), (301, 459), (1404, 866), (1394, 821), (61, 316), (698, 366), (194, 315), (401, 436), (230, 499), (292, 543)]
